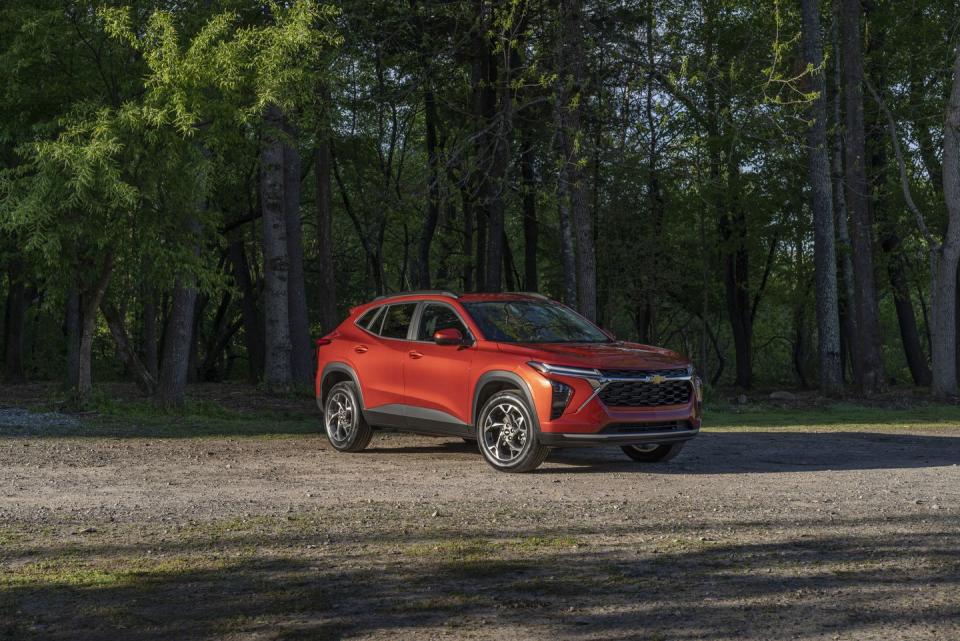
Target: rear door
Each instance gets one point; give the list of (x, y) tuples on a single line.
[(382, 370), (437, 377)]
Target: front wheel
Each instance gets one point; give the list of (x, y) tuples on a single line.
[(653, 453), (507, 436), (343, 419)]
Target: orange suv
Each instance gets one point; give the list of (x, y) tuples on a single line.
[(518, 373)]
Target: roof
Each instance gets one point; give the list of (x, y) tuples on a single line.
[(467, 298)]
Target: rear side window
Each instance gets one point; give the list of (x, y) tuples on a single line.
[(397, 320)]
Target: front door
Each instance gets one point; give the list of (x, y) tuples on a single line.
[(437, 377)]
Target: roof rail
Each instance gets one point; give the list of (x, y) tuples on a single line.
[(530, 294), (420, 292)]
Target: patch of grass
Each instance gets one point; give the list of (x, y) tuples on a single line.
[(70, 570), (839, 417), (477, 549)]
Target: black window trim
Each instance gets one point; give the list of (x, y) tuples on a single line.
[(415, 324)]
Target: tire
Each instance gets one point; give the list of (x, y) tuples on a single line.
[(518, 450), (659, 453), (343, 420)]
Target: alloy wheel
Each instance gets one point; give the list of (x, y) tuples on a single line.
[(340, 417), (506, 432)]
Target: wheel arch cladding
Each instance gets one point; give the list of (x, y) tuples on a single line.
[(497, 381), (334, 373)]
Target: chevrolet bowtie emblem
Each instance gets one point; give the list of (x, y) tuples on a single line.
[(656, 379)]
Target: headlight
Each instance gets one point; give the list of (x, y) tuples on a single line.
[(564, 370)]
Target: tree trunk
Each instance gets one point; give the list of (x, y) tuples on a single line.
[(145, 381), (178, 336), (568, 258), (90, 304), (429, 228), (277, 371), (73, 337), (16, 314), (572, 78), (301, 350), (871, 371), (252, 331), (327, 276), (529, 198), (496, 181), (172, 387), (151, 359), (945, 258), (825, 258)]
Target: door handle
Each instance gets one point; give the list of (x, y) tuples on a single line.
[(360, 349), (415, 354)]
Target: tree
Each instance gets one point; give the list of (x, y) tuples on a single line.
[(828, 318), (857, 196)]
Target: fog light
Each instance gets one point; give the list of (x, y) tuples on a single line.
[(561, 398)]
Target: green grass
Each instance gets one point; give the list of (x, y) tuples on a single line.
[(71, 570), (250, 412), (835, 418)]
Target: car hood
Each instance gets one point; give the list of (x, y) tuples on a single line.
[(616, 355)]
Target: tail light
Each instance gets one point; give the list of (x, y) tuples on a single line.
[(561, 398), (323, 341)]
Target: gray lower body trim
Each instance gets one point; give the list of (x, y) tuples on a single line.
[(411, 418)]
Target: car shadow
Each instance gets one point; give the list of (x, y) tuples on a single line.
[(771, 452)]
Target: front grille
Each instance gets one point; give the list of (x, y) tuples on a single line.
[(644, 428), (640, 373), (639, 394)]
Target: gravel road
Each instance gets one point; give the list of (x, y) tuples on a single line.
[(748, 535)]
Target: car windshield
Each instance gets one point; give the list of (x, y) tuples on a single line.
[(521, 321)]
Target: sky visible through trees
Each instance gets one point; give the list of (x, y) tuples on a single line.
[(194, 191)]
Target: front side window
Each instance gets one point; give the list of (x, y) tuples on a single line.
[(436, 317), (524, 321), (397, 320)]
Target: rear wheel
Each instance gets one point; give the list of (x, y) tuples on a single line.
[(343, 419), (507, 436), (654, 452)]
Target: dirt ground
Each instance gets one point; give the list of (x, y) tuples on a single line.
[(760, 534)]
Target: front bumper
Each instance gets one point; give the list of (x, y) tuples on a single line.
[(668, 434), (588, 421)]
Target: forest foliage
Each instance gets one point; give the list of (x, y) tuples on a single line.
[(194, 191)]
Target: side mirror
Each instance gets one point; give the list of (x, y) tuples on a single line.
[(449, 336)]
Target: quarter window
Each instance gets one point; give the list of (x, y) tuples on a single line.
[(396, 323), (370, 319), (436, 317)]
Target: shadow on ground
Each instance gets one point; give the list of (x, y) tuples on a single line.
[(730, 453), (844, 581)]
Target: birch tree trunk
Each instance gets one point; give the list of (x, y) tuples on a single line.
[(944, 259), (825, 257), (277, 371)]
